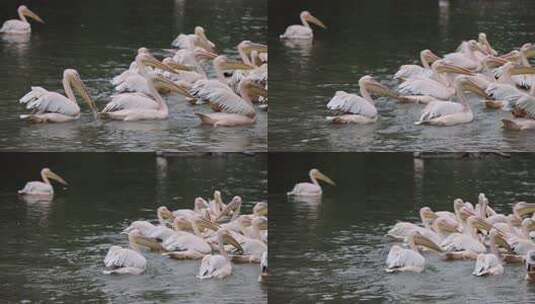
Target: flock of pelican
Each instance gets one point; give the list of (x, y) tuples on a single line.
[(477, 233), (199, 233), (238, 89), (502, 81)]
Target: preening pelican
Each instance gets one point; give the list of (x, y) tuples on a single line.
[(137, 106), (357, 109), (21, 26), (124, 261), (447, 113), (197, 39), (489, 263), (311, 189), (42, 189), (54, 107), (237, 110), (302, 31), (409, 259), (218, 266)]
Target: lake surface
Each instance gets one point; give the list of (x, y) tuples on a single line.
[(100, 38), (335, 251), (54, 252), (376, 38)]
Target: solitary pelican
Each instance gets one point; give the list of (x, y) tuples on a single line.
[(42, 189), (311, 189), (124, 261), (218, 265), (21, 26), (302, 31), (54, 107)]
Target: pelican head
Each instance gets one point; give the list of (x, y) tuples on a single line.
[(442, 67), (426, 214), (485, 45), (529, 224), (466, 83), (164, 214), (200, 203), (419, 239), (466, 212), (233, 208), (222, 63), (203, 40), (224, 235), (517, 69), (24, 11), (260, 209), (316, 174), (528, 49), (374, 87), (530, 265), (248, 46), (202, 54), (53, 176), (522, 209), (307, 16), (74, 80)]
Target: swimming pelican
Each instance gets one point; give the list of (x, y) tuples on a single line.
[(21, 26), (484, 45), (246, 48), (409, 71), (529, 265), (465, 56), (409, 259), (197, 39), (311, 189), (448, 113), (302, 31), (356, 109), (489, 263), (218, 266), (54, 107), (42, 189), (137, 106), (264, 270), (124, 261), (132, 69), (465, 245), (186, 245), (237, 110)]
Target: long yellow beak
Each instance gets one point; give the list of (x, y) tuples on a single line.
[(324, 178), (56, 177), (161, 82), (316, 21), (32, 15), (80, 87)]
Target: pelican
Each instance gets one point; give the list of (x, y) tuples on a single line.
[(466, 57), (489, 263), (465, 245), (484, 45), (311, 189), (197, 39), (447, 113), (409, 259), (132, 69), (356, 109), (137, 106), (42, 189), (237, 110), (246, 49), (529, 265), (264, 270), (186, 245), (410, 71), (21, 26), (124, 261), (302, 31), (218, 266), (54, 107)]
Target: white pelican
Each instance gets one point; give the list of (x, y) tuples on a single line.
[(237, 110), (465, 245), (358, 109), (264, 270), (186, 245), (42, 189), (465, 56), (222, 63), (448, 113), (124, 261), (302, 31), (529, 265), (409, 259), (484, 45), (54, 107), (132, 70), (197, 39), (246, 48), (21, 26), (311, 189), (489, 263), (409, 71), (218, 266), (137, 106)]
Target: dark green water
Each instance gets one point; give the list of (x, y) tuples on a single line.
[(54, 252), (334, 251), (100, 39), (376, 37)]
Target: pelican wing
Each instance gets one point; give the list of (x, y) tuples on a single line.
[(505, 92), (351, 103), (409, 71), (437, 109), (527, 103), (42, 101), (297, 31), (229, 102), (37, 187), (400, 257), (15, 26), (210, 265), (202, 88), (128, 101), (424, 86), (122, 257)]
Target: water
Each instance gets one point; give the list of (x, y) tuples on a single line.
[(334, 251), (54, 252), (376, 38), (100, 39)]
